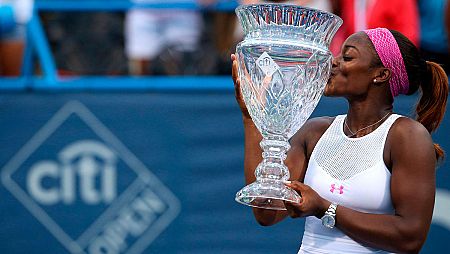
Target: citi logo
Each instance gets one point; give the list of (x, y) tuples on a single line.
[(74, 167), (266, 61), (267, 64), (80, 166)]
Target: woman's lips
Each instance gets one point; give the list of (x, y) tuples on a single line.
[(332, 74)]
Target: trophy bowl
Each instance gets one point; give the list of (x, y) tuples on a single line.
[(284, 63)]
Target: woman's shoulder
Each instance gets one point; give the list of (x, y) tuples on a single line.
[(313, 129), (410, 147), (405, 127), (407, 133), (319, 124)]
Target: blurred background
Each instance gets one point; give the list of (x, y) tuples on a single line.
[(119, 131)]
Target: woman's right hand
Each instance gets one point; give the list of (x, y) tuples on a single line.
[(237, 87)]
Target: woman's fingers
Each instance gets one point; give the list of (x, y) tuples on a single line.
[(237, 84), (293, 209), (234, 69), (290, 209), (292, 205), (234, 74), (296, 185)]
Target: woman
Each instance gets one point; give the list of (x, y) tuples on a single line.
[(367, 179)]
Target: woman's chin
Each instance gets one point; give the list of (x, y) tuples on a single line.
[(328, 90), (332, 89)]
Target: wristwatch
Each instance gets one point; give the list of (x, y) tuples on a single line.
[(329, 218)]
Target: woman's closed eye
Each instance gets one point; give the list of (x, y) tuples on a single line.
[(347, 58)]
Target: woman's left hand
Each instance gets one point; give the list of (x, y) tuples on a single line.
[(311, 204)]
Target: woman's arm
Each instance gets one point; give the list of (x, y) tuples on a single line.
[(410, 153), (413, 163)]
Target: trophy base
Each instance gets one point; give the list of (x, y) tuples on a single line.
[(267, 194)]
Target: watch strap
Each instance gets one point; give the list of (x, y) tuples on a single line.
[(332, 209)]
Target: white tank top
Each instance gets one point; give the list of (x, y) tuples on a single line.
[(352, 173)]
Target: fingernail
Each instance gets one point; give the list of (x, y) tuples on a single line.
[(287, 182)]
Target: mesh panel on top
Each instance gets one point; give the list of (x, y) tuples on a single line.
[(342, 157)]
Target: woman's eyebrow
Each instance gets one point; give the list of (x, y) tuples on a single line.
[(347, 47)]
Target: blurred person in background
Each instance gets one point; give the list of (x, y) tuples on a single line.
[(14, 16), (220, 32), (223, 31), (399, 15), (81, 48), (433, 32), (173, 34)]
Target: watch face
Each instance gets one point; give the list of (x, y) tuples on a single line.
[(328, 221)]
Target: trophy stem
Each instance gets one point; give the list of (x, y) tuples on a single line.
[(269, 190), (274, 153)]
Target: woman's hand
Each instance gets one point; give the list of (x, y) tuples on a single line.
[(237, 87), (311, 204)]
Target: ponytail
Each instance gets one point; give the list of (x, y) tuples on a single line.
[(431, 80), (431, 107)]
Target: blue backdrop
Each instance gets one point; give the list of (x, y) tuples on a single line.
[(143, 172)]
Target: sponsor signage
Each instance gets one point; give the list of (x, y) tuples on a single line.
[(74, 164)]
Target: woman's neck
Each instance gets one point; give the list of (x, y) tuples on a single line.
[(365, 114)]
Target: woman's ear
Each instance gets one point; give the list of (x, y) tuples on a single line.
[(382, 75)]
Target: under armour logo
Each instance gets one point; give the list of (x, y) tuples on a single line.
[(334, 188)]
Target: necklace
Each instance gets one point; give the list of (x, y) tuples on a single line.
[(354, 133)]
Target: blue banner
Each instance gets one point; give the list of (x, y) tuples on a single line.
[(136, 172)]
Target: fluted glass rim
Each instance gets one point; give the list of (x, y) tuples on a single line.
[(296, 28)]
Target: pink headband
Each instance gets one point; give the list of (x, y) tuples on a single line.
[(389, 53)]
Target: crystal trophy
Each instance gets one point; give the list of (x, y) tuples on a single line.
[(284, 63)]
